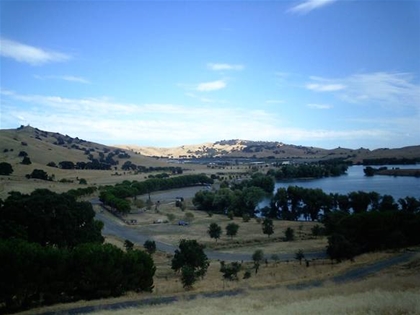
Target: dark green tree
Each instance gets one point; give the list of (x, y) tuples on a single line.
[(299, 255), (150, 246), (232, 229), (128, 245), (340, 248), (268, 226), (26, 161), (289, 234), (49, 218), (191, 260), (388, 204), (359, 201), (188, 276), (257, 257), (230, 271), (39, 174), (5, 168), (214, 231)]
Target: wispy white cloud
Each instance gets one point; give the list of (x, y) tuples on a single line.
[(274, 101), (396, 89), (319, 87), (211, 86), (69, 78), (309, 5), (205, 99), (29, 54), (224, 66), (319, 106)]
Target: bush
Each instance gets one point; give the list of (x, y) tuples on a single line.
[(5, 168), (26, 161), (230, 271), (289, 234), (39, 174), (247, 274), (150, 246)]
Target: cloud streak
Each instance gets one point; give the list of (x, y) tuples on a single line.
[(211, 86), (384, 88), (224, 66), (319, 106), (309, 5), (325, 87), (29, 54), (68, 78)]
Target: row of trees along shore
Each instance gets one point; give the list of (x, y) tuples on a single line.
[(116, 196), (52, 251)]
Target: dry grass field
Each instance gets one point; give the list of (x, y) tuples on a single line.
[(395, 290), (249, 238)]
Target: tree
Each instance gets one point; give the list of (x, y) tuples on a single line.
[(340, 248), (5, 168), (232, 229), (268, 227), (150, 246), (188, 276), (191, 260), (230, 271), (128, 245), (359, 201), (257, 257), (214, 231), (299, 255), (26, 161), (65, 222), (289, 234), (39, 174)]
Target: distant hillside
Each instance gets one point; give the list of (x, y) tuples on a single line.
[(44, 147), (267, 150)]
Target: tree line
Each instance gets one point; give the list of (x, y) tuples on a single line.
[(353, 234), (116, 196), (313, 170), (51, 251), (295, 202), (240, 199)]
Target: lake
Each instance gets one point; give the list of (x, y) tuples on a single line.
[(355, 180)]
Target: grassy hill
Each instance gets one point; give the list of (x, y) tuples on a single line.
[(271, 150), (43, 147)]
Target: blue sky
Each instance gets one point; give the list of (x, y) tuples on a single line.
[(323, 73)]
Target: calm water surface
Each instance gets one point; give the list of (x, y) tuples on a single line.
[(355, 180)]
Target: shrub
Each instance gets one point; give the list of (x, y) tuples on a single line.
[(289, 234), (5, 168)]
